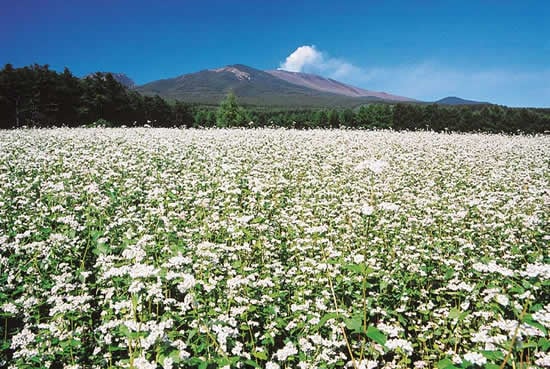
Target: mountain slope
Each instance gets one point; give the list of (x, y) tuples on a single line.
[(329, 85), (453, 100), (121, 78), (252, 86), (242, 80)]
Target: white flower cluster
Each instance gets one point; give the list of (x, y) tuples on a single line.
[(398, 343), (493, 267), (475, 358), (181, 248), (288, 350)]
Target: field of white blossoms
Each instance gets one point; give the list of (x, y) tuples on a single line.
[(168, 248)]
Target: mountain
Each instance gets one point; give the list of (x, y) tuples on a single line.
[(330, 85), (268, 88), (121, 78), (453, 100), (124, 80)]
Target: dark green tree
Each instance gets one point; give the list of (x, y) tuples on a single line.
[(321, 119), (230, 113), (347, 118), (363, 116), (333, 118), (183, 114), (69, 90)]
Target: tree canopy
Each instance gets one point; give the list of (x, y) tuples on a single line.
[(230, 113), (37, 96)]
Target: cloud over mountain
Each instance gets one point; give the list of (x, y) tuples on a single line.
[(427, 79), (301, 58), (308, 59)]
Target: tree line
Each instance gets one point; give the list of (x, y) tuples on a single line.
[(36, 96)]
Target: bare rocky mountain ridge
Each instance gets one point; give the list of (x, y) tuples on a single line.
[(330, 85)]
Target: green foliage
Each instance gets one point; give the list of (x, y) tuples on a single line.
[(40, 97), (230, 113), (347, 118)]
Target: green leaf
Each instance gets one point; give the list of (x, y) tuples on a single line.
[(544, 344), (175, 356), (260, 355), (454, 313), (491, 366), (356, 268), (355, 324), (192, 334), (252, 363), (376, 335), (493, 355), (528, 344), (96, 234), (124, 330), (257, 220), (100, 249), (517, 290)]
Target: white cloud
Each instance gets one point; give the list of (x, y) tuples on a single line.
[(310, 60), (302, 57), (429, 80)]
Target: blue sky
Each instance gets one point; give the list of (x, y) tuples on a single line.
[(497, 51)]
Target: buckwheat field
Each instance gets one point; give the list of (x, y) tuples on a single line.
[(271, 248)]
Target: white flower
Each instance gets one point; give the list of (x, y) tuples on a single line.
[(244, 219), (420, 364), (272, 365), (543, 359), (143, 363), (376, 166), (9, 307), (390, 330), (367, 210), (502, 299), (493, 267), (362, 364), (475, 358), (22, 339), (285, 352), (187, 283), (537, 270), (388, 206), (398, 343)]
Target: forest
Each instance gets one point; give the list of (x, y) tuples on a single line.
[(37, 96)]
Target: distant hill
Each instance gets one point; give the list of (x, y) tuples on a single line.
[(256, 87), (453, 100)]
